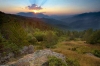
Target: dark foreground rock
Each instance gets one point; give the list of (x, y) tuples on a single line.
[(38, 58)]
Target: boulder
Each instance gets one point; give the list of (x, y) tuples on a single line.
[(30, 49), (24, 50), (27, 49)]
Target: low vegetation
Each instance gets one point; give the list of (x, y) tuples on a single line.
[(96, 53), (72, 62), (79, 53), (53, 61)]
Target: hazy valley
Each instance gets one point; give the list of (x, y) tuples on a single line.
[(76, 22)]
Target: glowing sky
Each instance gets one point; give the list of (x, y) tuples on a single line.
[(51, 7)]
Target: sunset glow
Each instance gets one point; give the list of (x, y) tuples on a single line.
[(50, 7), (35, 11)]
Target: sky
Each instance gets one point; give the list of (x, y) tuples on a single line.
[(50, 7)]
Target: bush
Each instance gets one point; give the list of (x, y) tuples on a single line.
[(46, 39), (50, 39), (96, 53), (62, 38), (94, 38), (6, 46), (32, 40), (14, 33), (39, 36), (53, 61), (11, 47)]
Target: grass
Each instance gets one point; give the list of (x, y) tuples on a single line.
[(77, 50)]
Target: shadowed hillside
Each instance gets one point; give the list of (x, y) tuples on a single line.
[(84, 21), (34, 22)]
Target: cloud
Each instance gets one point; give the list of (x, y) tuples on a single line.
[(34, 7)]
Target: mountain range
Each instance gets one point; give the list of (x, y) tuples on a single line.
[(47, 19), (84, 21), (77, 22)]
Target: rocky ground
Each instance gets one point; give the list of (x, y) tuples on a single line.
[(38, 58)]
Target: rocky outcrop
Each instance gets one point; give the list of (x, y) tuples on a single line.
[(38, 58), (25, 50)]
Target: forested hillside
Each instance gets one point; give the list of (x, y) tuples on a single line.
[(18, 31)]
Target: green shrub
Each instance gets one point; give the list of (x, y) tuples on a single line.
[(94, 38), (32, 40), (53, 61), (62, 38), (50, 39), (14, 33), (47, 39), (39, 36), (96, 53), (8, 47), (11, 47)]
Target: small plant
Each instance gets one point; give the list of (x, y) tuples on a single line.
[(96, 53), (53, 61), (72, 62), (32, 40), (74, 49)]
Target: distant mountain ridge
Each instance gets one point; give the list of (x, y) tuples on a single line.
[(32, 14), (91, 14), (84, 21)]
